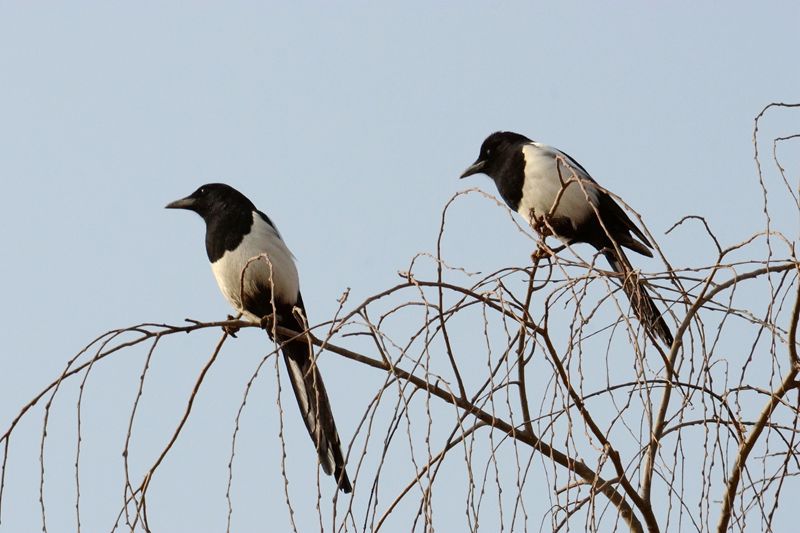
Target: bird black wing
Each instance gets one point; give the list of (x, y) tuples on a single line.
[(620, 226), (617, 221)]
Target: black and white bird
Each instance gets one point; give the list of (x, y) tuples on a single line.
[(555, 194), (255, 269)]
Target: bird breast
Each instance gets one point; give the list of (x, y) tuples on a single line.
[(260, 262), (547, 172)]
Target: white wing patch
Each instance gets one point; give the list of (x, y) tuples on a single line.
[(547, 170), (270, 259)]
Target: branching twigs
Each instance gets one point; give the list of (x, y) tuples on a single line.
[(574, 465), (746, 447), (141, 491), (128, 489), (468, 407), (440, 280), (615, 432), (658, 426), (523, 391), (436, 460), (236, 428)]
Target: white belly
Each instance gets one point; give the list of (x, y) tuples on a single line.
[(262, 260), (547, 172)]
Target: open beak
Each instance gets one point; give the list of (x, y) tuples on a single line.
[(474, 168), (183, 203)]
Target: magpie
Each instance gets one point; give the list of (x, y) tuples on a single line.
[(556, 195), (256, 273)]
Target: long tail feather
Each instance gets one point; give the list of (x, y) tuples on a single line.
[(641, 302), (315, 407)]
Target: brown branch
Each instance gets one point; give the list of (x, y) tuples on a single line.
[(148, 477), (643, 505), (437, 459), (746, 447), (658, 426), (574, 465), (440, 292), (523, 391)]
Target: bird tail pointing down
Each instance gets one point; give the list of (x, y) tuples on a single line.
[(643, 306), (314, 405)]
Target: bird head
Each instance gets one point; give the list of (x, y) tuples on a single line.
[(495, 152), (212, 199)]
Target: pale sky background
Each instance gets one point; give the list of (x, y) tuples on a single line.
[(348, 124)]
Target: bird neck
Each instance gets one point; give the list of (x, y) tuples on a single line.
[(225, 232)]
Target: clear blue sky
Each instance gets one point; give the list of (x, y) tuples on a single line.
[(348, 123)]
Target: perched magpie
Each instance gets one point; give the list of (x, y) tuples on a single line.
[(556, 195), (256, 273)]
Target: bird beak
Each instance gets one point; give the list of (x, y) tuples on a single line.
[(183, 203), (474, 168)]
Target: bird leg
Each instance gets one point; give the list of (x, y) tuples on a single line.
[(541, 225), (268, 322), (545, 251), (538, 254), (231, 329)]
